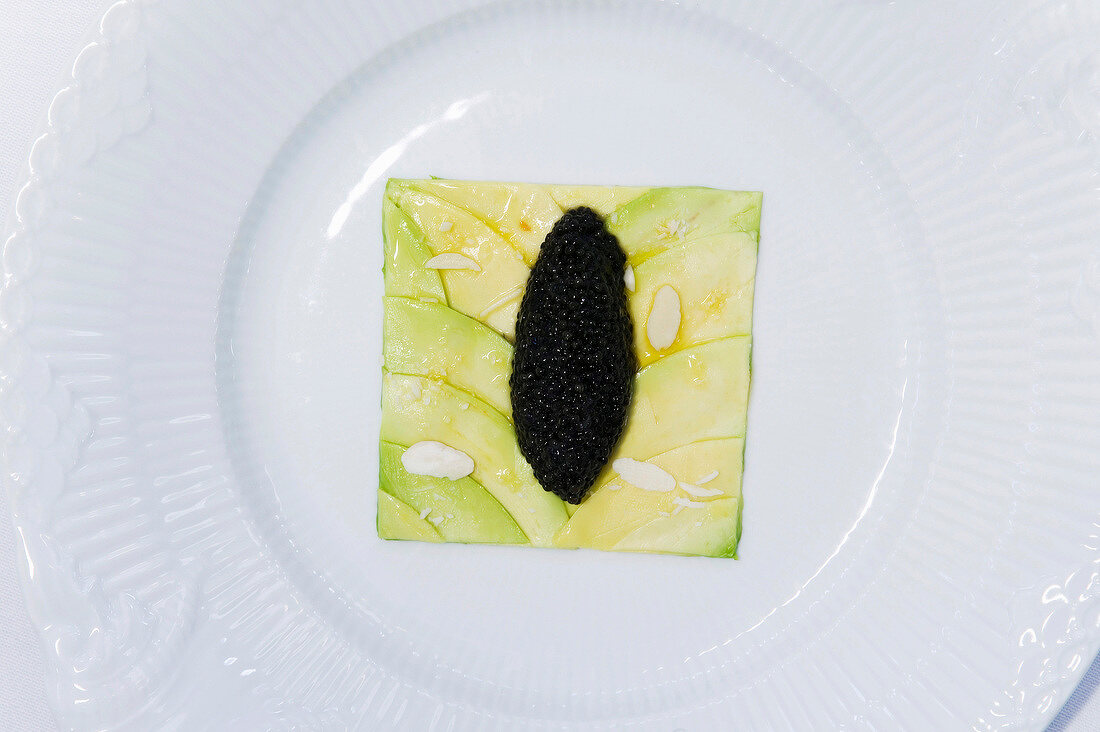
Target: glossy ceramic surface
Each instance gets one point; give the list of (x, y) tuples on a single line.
[(191, 366)]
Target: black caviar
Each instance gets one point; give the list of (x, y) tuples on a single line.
[(574, 364)]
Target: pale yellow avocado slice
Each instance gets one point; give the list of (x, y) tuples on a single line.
[(460, 510), (433, 340), (714, 533), (398, 520), (714, 281), (490, 293), (521, 213), (601, 199), (620, 516), (415, 408), (667, 217), (699, 393), (403, 267)]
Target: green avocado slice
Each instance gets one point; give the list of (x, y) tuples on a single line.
[(460, 510), (405, 252), (429, 339), (415, 408), (398, 520), (666, 217)]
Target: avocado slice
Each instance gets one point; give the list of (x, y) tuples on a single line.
[(699, 393), (398, 520), (403, 269), (415, 408), (666, 217), (448, 356), (620, 516), (460, 510), (491, 291), (603, 199), (715, 533), (714, 280), (521, 213), (429, 339)]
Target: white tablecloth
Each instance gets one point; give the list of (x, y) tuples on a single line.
[(40, 39)]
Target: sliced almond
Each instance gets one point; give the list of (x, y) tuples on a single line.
[(688, 503), (707, 478), (694, 490), (664, 318), (628, 278), (674, 229), (644, 475), (437, 460), (452, 260)]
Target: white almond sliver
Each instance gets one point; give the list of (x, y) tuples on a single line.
[(688, 503), (643, 475), (452, 260), (445, 226), (628, 278), (694, 490), (664, 318), (437, 460), (707, 478)]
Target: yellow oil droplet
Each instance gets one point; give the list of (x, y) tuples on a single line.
[(715, 302)]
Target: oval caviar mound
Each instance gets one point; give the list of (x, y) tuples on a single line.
[(574, 362)]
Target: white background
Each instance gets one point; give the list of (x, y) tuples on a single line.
[(39, 40)]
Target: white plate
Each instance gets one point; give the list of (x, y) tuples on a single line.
[(191, 373)]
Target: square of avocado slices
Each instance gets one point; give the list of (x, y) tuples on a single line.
[(457, 257)]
